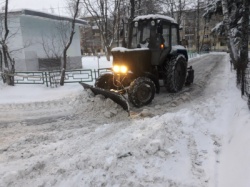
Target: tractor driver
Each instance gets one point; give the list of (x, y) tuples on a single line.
[(159, 31), (150, 32)]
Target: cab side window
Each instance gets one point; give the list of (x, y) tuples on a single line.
[(165, 34), (174, 35)]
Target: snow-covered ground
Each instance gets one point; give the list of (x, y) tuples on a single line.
[(68, 137)]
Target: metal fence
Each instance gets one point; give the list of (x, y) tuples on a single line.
[(192, 55), (52, 78), (195, 54), (71, 76), (30, 77)]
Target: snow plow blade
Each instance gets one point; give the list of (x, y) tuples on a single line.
[(108, 94)]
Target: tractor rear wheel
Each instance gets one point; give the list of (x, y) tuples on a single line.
[(105, 81), (141, 91), (176, 73)]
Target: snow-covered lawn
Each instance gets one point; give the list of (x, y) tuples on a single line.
[(67, 137), (22, 93), (93, 62)]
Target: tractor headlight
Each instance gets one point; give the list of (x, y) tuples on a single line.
[(116, 69), (123, 69), (120, 69)]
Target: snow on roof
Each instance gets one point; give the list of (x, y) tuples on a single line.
[(154, 16), (218, 27), (48, 15), (123, 49)]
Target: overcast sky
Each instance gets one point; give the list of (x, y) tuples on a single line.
[(58, 6)]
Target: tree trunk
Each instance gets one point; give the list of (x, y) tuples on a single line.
[(244, 44), (130, 27), (124, 44), (6, 33), (68, 44), (204, 33), (198, 27), (1, 61), (227, 27)]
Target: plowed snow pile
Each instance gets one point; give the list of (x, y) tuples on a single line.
[(82, 140)]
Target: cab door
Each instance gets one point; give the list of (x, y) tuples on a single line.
[(164, 30)]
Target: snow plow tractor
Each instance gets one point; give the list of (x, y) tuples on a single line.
[(155, 58)]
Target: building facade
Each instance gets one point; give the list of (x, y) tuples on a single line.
[(91, 38), (36, 41), (198, 32)]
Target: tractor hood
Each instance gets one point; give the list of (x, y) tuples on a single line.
[(124, 50), (136, 60)]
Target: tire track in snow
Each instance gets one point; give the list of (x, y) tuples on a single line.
[(196, 163), (167, 102)]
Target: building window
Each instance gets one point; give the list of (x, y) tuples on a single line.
[(223, 43), (189, 37), (189, 30), (49, 64), (206, 36)]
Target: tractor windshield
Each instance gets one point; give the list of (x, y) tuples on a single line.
[(141, 34), (142, 38)]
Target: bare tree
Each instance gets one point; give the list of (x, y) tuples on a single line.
[(132, 15), (169, 7), (106, 16), (243, 44), (71, 7), (69, 42), (176, 8), (51, 46), (204, 34), (9, 63), (147, 7), (236, 25), (198, 26)]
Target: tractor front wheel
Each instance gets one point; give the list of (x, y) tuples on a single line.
[(141, 91)]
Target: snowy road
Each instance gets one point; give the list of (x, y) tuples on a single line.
[(88, 106), (83, 140), (204, 68)]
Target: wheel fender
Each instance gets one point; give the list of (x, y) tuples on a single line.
[(175, 51)]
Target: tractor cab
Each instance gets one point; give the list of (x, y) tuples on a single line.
[(153, 54), (153, 32), (159, 34)]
